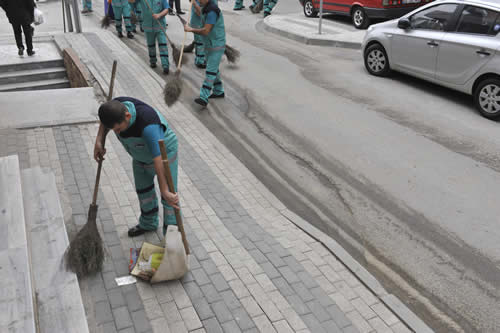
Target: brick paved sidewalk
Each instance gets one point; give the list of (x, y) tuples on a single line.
[(252, 269)]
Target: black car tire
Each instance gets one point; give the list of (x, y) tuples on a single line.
[(309, 10), (487, 98), (359, 18), (376, 60)]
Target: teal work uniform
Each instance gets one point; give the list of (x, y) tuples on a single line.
[(87, 4), (135, 7), (154, 32), (121, 8), (268, 6), (140, 140), (238, 4), (215, 45), (198, 39)]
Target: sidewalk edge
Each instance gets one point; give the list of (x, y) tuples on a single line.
[(310, 41), (410, 319)]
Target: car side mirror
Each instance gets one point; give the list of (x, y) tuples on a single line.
[(404, 23)]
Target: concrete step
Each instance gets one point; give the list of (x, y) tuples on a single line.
[(31, 75), (59, 304), (16, 292), (31, 65), (37, 85)]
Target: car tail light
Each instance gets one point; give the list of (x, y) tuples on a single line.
[(386, 2)]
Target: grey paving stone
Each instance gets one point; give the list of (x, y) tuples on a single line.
[(193, 290), (221, 311), (219, 282), (230, 299), (275, 259), (133, 299), (141, 322), (338, 316), (283, 286), (302, 291), (116, 298), (193, 263), (331, 327), (288, 274), (128, 330), (321, 296), (293, 264), (318, 311), (243, 319), (211, 294), (122, 317), (297, 304), (209, 266), (308, 280), (203, 309), (231, 327), (350, 329), (280, 251), (212, 325), (116, 252), (108, 327), (98, 292), (103, 312), (270, 270), (200, 253), (200, 276), (109, 280), (121, 267), (252, 330), (258, 256), (247, 243), (111, 238), (312, 323)]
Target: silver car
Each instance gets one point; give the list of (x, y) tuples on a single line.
[(454, 43)]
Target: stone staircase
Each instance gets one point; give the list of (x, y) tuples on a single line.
[(48, 74), (37, 294)]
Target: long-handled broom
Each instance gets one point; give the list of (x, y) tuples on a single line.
[(171, 188), (173, 88), (85, 253), (231, 53)]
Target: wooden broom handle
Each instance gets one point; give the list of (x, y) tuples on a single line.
[(99, 164), (171, 188), (185, 38)]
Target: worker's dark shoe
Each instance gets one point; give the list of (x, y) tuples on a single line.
[(238, 8), (252, 8), (181, 13), (170, 12), (266, 14), (85, 11), (134, 30), (201, 65), (130, 35), (142, 29), (200, 102), (136, 231), (152, 65), (120, 34), (20, 51), (166, 71), (30, 53), (216, 96)]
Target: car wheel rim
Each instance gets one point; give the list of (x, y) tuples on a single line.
[(376, 61), (489, 98), (358, 17), (309, 8)]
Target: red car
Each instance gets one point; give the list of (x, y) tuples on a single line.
[(362, 11)]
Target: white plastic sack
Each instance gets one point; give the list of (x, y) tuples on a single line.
[(175, 261), (38, 16)]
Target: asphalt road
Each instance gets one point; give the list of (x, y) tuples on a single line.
[(403, 173)]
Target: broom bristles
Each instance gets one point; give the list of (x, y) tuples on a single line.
[(85, 254), (232, 54), (176, 54), (189, 48), (133, 18), (173, 89), (105, 22)]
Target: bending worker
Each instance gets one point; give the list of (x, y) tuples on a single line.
[(139, 127), (214, 40)]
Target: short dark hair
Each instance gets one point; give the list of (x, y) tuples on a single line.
[(112, 113)]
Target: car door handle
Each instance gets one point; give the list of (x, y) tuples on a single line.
[(432, 43), (483, 53)]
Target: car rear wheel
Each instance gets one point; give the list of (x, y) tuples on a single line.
[(487, 98), (309, 10), (359, 18), (376, 60)]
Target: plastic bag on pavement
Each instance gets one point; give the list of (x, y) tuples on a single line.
[(38, 14)]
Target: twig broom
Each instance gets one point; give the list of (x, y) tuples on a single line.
[(85, 254)]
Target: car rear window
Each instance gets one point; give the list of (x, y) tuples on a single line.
[(477, 20)]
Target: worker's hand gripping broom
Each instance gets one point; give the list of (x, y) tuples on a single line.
[(85, 254)]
